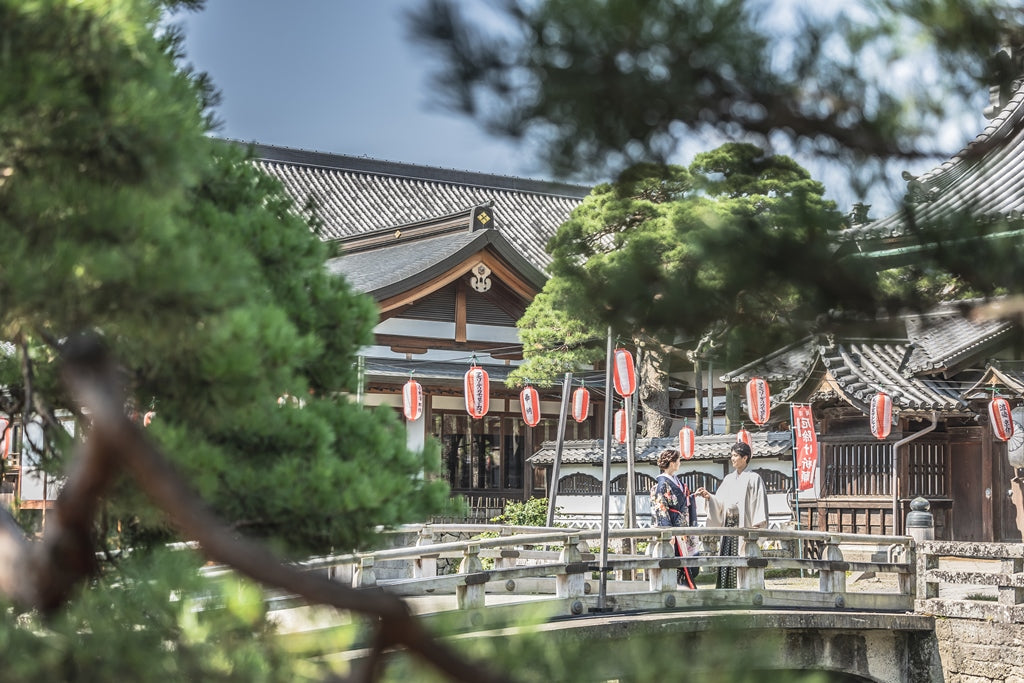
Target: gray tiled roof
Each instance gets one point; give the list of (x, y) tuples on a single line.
[(356, 195), (708, 447), (984, 180), (392, 269), (943, 339), (907, 369), (862, 369)]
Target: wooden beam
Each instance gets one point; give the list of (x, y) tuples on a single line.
[(460, 310)]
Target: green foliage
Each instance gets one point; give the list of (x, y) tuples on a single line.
[(170, 625), (532, 512), (669, 251), (120, 216)]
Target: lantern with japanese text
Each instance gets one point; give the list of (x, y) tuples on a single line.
[(580, 404), (881, 415), (478, 388), (758, 405), (1000, 417), (529, 401), (620, 425), (686, 443), (412, 400), (744, 436), (623, 372)]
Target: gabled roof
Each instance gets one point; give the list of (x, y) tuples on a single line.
[(985, 180), (707, 447), (860, 369), (1007, 377), (354, 196), (400, 263)]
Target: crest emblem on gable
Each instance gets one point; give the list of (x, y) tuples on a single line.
[(480, 279)]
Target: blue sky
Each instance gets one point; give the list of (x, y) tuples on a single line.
[(342, 76), (335, 76)]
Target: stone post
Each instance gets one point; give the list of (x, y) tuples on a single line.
[(363, 574), (926, 588), (751, 577), (470, 595), (920, 523), (1011, 596), (425, 566), (507, 559), (662, 579), (570, 580), (832, 580)]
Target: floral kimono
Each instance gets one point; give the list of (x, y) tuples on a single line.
[(672, 505)]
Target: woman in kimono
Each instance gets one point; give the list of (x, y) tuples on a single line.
[(742, 501), (672, 505)]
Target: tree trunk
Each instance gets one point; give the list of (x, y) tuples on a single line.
[(653, 388)]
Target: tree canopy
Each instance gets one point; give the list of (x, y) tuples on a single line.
[(131, 235), (667, 252), (119, 216)]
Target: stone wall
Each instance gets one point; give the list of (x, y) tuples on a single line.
[(974, 651)]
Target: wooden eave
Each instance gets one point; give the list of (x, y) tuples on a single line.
[(499, 269)]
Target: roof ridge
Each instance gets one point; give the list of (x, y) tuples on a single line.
[(993, 133), (398, 169)]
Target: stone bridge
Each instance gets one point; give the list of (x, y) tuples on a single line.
[(854, 607)]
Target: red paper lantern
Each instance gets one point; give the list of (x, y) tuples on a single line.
[(412, 400), (623, 372), (529, 401), (744, 436), (5, 438), (478, 387), (620, 425), (881, 415), (686, 443), (580, 404), (1000, 417), (758, 404)]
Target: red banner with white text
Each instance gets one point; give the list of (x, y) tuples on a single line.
[(806, 446)]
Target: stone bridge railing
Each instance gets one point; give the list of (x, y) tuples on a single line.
[(971, 580), (557, 571)]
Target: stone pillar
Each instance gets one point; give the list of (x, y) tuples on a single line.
[(471, 594), (570, 581), (662, 579), (363, 574), (425, 566), (920, 523), (832, 580), (751, 577)]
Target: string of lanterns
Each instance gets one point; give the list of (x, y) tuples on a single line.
[(477, 393)]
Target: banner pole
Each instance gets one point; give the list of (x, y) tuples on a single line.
[(608, 419), (566, 385)]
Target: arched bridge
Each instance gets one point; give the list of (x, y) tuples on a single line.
[(794, 605)]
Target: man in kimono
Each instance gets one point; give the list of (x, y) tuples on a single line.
[(742, 501)]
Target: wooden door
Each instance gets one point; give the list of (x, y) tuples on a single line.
[(972, 493)]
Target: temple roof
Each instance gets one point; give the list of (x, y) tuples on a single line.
[(984, 180), (404, 262), (917, 372), (354, 196), (707, 447)]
